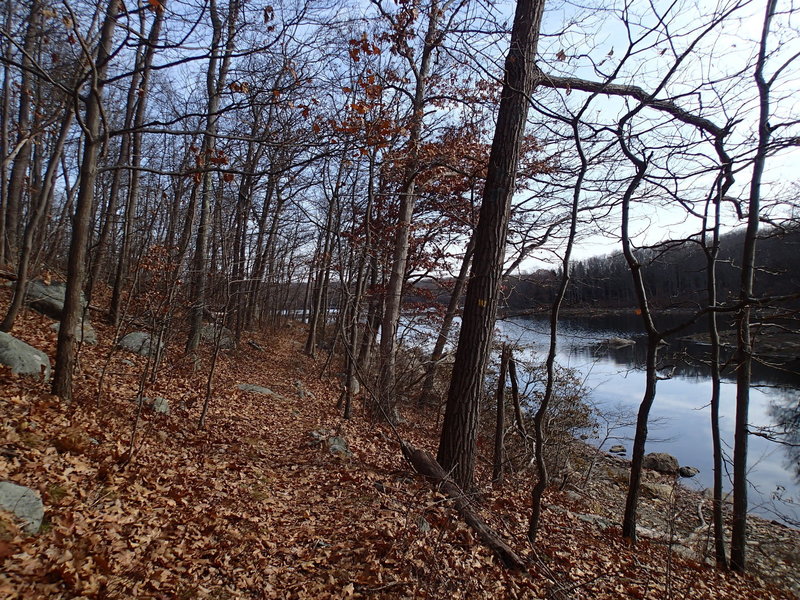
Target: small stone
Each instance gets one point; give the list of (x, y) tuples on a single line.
[(160, 405), (657, 490), (338, 445), (688, 472), (618, 449), (423, 525), (23, 502)]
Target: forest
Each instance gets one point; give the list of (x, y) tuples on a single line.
[(229, 193)]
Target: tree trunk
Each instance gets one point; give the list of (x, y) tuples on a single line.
[(458, 440), (136, 156), (500, 421), (216, 76), (37, 211), (541, 413), (394, 289), (744, 348), (19, 170), (76, 266)]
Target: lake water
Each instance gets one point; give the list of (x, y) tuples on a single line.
[(615, 377), (680, 417)]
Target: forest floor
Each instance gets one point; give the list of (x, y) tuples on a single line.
[(255, 505)]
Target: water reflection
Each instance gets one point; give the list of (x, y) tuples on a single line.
[(615, 376), (785, 411)]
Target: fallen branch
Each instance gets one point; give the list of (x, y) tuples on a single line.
[(426, 465)]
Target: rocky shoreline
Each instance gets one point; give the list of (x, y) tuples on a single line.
[(672, 514)]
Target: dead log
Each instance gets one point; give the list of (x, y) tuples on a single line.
[(426, 465)]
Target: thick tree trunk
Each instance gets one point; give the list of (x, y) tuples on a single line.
[(458, 440), (76, 266)]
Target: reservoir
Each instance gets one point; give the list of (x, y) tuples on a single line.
[(614, 378)]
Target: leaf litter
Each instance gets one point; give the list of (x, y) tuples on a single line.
[(253, 506)]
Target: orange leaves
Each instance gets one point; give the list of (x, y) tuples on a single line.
[(155, 5), (239, 86), (361, 46)]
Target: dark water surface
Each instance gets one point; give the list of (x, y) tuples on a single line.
[(615, 377)]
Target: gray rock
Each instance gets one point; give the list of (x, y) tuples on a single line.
[(657, 490), (661, 462), (618, 342), (423, 525), (227, 341), (338, 445), (257, 389), (48, 299), (139, 342), (688, 472), (159, 405), (618, 449), (25, 503), (22, 358), (86, 334)]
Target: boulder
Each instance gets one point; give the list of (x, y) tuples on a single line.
[(85, 334), (662, 491), (23, 502), (139, 342), (48, 299), (661, 462), (618, 449), (227, 341), (22, 358), (688, 472)]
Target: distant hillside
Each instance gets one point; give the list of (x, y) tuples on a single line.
[(675, 277)]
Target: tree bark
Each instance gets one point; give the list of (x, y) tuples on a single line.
[(76, 266), (394, 290), (744, 348), (37, 211), (457, 444)]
